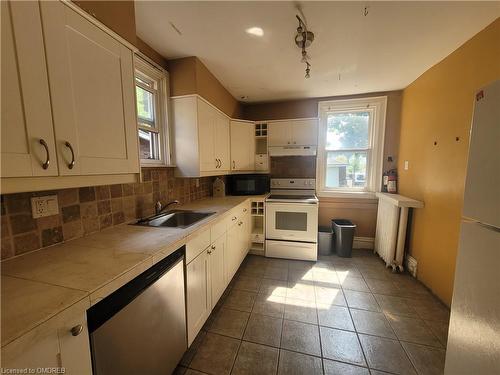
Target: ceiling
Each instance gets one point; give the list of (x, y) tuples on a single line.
[(352, 53)]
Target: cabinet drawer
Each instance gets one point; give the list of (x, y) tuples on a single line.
[(197, 244), (218, 229)]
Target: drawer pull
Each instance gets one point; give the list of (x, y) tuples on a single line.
[(234, 218), (244, 210), (212, 247), (241, 222), (45, 165), (76, 330)]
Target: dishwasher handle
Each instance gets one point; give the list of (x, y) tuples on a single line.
[(102, 311)]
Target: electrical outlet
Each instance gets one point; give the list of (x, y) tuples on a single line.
[(406, 165), (44, 206)]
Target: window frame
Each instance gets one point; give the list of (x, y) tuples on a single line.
[(375, 150), (144, 69)]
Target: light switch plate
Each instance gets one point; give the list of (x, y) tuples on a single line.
[(406, 165), (44, 206)]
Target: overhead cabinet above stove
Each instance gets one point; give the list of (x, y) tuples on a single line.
[(302, 132)]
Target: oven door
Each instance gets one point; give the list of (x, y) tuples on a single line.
[(292, 221)]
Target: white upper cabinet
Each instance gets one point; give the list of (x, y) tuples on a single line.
[(242, 146), (201, 135), (92, 90), (28, 147), (302, 132)]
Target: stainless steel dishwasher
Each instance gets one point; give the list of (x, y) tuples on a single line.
[(141, 327)]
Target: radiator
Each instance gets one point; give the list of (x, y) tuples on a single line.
[(390, 235)]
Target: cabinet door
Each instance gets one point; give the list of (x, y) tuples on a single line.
[(92, 91), (304, 132), (278, 133), (197, 294), (222, 143), (217, 274), (242, 146), (75, 350), (232, 251), (26, 114), (206, 136)]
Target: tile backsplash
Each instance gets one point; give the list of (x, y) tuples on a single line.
[(90, 209)]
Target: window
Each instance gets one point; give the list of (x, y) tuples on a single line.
[(350, 149), (151, 90)]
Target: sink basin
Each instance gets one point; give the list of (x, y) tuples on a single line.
[(174, 219)]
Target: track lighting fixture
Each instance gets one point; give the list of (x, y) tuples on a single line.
[(303, 39)]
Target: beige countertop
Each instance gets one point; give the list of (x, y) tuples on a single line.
[(38, 285)]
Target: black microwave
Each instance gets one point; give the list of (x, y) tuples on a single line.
[(248, 184)]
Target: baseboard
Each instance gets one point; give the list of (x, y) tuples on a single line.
[(363, 243)]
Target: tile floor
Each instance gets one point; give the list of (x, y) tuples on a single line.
[(335, 316)]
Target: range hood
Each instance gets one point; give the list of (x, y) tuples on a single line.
[(292, 151)]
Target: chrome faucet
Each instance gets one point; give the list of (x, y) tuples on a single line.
[(159, 208)]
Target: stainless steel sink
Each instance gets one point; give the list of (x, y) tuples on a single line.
[(174, 219)]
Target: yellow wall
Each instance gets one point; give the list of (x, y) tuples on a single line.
[(437, 107)]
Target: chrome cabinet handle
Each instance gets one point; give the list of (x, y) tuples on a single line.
[(72, 163), (234, 164), (220, 163), (244, 210), (76, 330), (212, 247), (45, 165), (234, 218), (209, 251), (241, 222)]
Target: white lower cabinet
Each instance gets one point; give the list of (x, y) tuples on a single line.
[(212, 268), (62, 341), (197, 294)]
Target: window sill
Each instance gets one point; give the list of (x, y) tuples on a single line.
[(347, 194)]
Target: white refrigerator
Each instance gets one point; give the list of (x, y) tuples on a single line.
[(474, 333)]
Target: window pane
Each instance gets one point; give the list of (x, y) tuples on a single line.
[(345, 169), (145, 106), (148, 145), (347, 130)]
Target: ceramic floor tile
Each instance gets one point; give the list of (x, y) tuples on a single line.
[(412, 330), (300, 291), (341, 346), (386, 355), (355, 283), (395, 305), (291, 363), (427, 360), (335, 317), (230, 322), (382, 287), (194, 372), (255, 359), (301, 337), (263, 329), (325, 277), (240, 300), (440, 330), (360, 300), (372, 323), (277, 263), (273, 287), (301, 310), (269, 305), (189, 354), (430, 309), (339, 368), (276, 273), (344, 272), (301, 276), (300, 265), (216, 354), (329, 296), (252, 270), (250, 284)]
